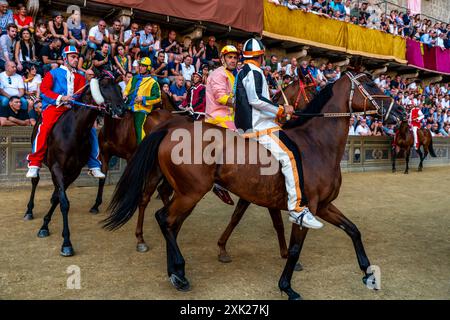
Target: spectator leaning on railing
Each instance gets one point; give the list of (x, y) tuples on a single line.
[(13, 115), (11, 84)]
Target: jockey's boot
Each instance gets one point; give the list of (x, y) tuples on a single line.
[(97, 173), (33, 172), (305, 218)]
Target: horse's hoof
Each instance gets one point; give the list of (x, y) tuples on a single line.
[(370, 281), (420, 170), (295, 296), (394, 171), (94, 210), (43, 233), (28, 217), (181, 284), (142, 247), (225, 258), (298, 267), (67, 251), (406, 172)]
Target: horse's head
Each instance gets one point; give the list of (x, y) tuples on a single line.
[(366, 96), (106, 92)]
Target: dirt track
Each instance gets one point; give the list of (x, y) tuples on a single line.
[(406, 235)]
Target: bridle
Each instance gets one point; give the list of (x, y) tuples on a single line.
[(101, 107), (302, 91), (367, 97), (355, 84)]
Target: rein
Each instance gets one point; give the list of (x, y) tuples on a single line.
[(367, 97), (86, 105)]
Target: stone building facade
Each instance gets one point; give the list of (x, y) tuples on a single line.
[(438, 9)]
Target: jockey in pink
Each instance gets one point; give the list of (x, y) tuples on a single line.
[(219, 90)]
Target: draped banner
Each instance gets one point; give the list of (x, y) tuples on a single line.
[(316, 30), (245, 15), (432, 59)]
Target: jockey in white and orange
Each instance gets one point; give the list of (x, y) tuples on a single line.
[(219, 90), (415, 121), (255, 115)]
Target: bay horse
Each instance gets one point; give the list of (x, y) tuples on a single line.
[(321, 140), (298, 94), (117, 138), (404, 140), (68, 149)]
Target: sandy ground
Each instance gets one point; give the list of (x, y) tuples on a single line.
[(404, 221)]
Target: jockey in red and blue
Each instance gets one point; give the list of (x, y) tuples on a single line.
[(58, 87)]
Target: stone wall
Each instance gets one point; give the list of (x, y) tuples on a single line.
[(361, 154)]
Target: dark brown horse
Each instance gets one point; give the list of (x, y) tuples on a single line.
[(68, 152), (321, 140), (404, 140), (117, 138), (298, 94)]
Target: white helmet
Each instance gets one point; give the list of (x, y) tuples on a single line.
[(253, 48)]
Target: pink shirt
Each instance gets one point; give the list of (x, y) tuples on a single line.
[(218, 90)]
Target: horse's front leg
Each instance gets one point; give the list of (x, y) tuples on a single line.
[(394, 157), (295, 246), (29, 214), (421, 160), (407, 154), (58, 181), (332, 215), (104, 158)]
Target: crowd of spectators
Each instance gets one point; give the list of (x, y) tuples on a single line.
[(29, 49), (434, 99), (369, 15)]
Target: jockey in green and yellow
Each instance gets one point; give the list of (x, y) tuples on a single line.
[(142, 93)]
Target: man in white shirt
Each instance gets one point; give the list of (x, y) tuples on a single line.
[(131, 37), (291, 68), (445, 102), (11, 84), (123, 83), (187, 69), (412, 86), (146, 41), (351, 128), (363, 129), (97, 35), (440, 41)]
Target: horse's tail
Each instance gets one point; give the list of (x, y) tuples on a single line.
[(430, 147), (129, 190)]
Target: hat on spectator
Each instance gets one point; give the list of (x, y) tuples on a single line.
[(56, 14), (4, 3), (198, 73), (253, 48)]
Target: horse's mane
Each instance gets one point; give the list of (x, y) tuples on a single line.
[(315, 106)]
